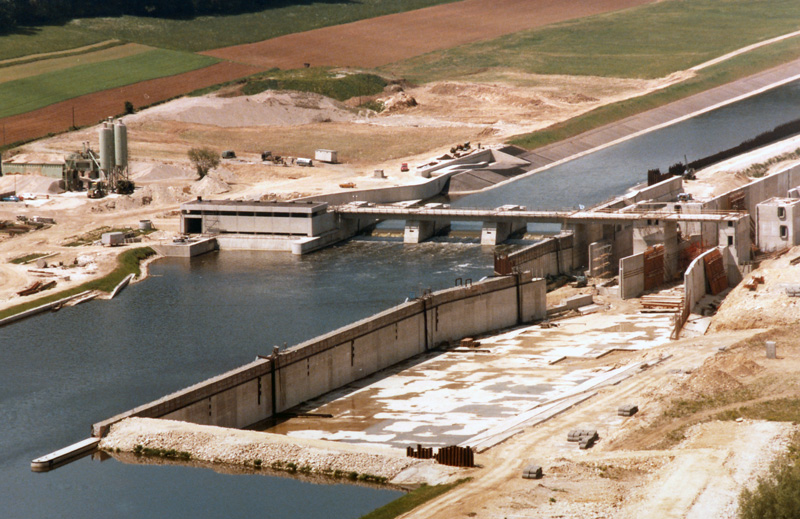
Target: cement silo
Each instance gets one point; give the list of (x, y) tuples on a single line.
[(121, 145), (106, 147)]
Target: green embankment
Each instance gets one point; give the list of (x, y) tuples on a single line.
[(725, 72), (411, 500), (645, 42), (318, 81), (203, 32), (50, 38), (128, 263), (28, 94)]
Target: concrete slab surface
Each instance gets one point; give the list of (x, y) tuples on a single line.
[(446, 398)]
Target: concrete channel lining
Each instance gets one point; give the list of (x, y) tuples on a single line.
[(240, 398)]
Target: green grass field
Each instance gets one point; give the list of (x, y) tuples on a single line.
[(28, 94), (725, 72), (645, 42), (38, 40), (316, 80), (203, 32)]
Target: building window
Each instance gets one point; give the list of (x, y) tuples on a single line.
[(730, 223), (782, 213), (730, 240), (784, 232)]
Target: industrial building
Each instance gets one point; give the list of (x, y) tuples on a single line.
[(778, 223), (289, 219), (81, 169)]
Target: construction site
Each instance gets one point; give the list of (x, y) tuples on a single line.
[(621, 356)]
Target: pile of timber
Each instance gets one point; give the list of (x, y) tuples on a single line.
[(661, 302)]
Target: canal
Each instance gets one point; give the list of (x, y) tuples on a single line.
[(194, 319)]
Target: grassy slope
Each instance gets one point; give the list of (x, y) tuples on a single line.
[(35, 68), (411, 500), (31, 93), (51, 38), (127, 263), (645, 42), (205, 32), (736, 68)]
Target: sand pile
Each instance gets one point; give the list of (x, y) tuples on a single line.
[(154, 171), (34, 184), (209, 186), (272, 108)]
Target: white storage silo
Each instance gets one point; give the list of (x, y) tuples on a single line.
[(121, 145), (106, 147)]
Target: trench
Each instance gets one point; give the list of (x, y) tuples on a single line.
[(197, 318)]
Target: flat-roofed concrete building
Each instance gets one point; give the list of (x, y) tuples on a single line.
[(778, 222), (291, 219)]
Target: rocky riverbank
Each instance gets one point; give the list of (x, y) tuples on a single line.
[(181, 440)]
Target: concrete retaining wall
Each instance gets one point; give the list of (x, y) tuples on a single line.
[(631, 276), (694, 279), (426, 188), (549, 257), (245, 396)]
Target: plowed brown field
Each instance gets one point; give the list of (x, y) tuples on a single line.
[(91, 108), (386, 39), (367, 43)]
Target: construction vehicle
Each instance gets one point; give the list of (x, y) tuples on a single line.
[(98, 190)]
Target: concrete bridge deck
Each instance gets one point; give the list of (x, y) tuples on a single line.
[(390, 212)]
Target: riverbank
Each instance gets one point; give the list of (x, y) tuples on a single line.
[(256, 450)]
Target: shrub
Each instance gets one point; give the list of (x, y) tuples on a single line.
[(777, 496), (204, 160)]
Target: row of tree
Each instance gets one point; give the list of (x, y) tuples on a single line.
[(35, 12)]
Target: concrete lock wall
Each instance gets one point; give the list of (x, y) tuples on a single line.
[(695, 283), (245, 396), (631, 276), (549, 257)]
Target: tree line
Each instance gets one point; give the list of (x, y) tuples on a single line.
[(15, 13)]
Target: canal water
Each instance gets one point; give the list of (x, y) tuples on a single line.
[(197, 318)]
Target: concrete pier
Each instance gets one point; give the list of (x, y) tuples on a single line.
[(417, 231), (494, 233), (187, 249), (65, 455)]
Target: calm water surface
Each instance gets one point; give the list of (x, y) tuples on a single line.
[(194, 319)]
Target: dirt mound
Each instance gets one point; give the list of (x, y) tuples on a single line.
[(711, 381), (209, 186), (34, 184), (155, 194), (399, 101), (746, 368), (272, 108), (153, 172)]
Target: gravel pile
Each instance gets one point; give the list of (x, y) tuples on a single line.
[(220, 445)]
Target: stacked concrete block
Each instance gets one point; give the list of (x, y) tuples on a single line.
[(532, 472), (627, 410), (585, 437)]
